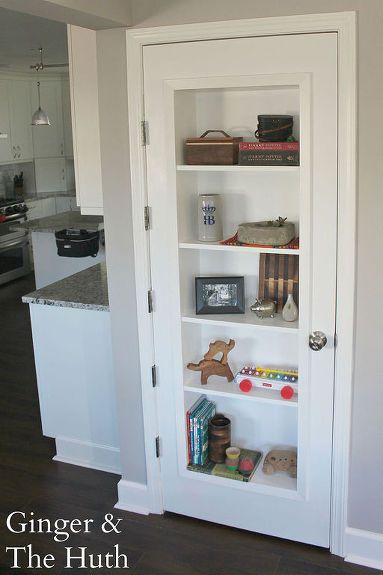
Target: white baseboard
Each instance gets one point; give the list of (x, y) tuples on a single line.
[(133, 497), (85, 454), (364, 548)]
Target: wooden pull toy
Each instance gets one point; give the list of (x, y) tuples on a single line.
[(209, 366)]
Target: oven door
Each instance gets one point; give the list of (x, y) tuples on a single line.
[(14, 259), (7, 233)]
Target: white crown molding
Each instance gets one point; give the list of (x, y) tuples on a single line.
[(305, 23)]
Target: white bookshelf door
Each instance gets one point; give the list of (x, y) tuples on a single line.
[(225, 84)]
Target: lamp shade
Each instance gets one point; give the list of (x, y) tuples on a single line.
[(40, 118)]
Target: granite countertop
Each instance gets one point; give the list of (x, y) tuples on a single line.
[(85, 290), (72, 219), (43, 195)]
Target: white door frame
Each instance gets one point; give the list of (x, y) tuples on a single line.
[(344, 24)]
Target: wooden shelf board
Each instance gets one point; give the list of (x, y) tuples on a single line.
[(236, 168), (221, 388), (246, 320), (195, 245)]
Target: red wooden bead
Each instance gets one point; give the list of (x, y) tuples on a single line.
[(287, 392), (245, 385)]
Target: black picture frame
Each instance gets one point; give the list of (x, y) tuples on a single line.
[(218, 295)]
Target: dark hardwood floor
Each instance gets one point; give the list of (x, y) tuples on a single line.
[(156, 545)]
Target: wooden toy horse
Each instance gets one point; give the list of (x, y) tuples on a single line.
[(209, 366)]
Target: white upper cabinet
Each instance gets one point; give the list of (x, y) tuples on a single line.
[(48, 141), (5, 128), (20, 118), (85, 118), (67, 119)]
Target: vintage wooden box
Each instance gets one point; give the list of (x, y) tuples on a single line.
[(210, 151)]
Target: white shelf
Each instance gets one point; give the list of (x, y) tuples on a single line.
[(236, 168), (246, 320), (195, 245), (223, 388), (278, 484)]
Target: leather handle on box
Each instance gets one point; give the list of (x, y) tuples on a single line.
[(220, 131), (272, 130)]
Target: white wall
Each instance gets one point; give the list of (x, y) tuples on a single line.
[(112, 91), (93, 14), (366, 492)]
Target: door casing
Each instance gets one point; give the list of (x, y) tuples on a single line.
[(344, 24)]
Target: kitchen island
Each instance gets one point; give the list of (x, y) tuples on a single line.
[(73, 356), (49, 267)]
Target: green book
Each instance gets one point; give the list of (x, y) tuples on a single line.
[(200, 417), (193, 424), (203, 432)]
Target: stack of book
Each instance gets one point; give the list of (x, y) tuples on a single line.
[(197, 423), (268, 154)]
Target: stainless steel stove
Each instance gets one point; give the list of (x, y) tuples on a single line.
[(14, 245)]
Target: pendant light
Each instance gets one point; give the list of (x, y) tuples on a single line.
[(40, 118)]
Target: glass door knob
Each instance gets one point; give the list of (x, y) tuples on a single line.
[(317, 340)]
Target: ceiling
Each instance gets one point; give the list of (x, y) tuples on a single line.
[(22, 35)]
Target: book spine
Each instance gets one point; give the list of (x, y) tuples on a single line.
[(200, 419), (263, 158), (189, 424), (195, 430), (205, 434), (188, 435), (269, 146)]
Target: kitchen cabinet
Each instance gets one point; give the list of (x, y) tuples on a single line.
[(48, 141), (65, 204), (85, 119), (50, 174), (75, 381), (189, 88), (67, 119), (20, 119), (41, 208), (35, 209), (5, 126)]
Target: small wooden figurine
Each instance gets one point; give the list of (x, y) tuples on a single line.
[(209, 366)]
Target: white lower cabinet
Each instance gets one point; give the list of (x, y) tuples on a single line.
[(63, 204), (50, 175), (74, 370), (190, 88)]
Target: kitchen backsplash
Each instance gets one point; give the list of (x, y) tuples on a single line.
[(7, 173)]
